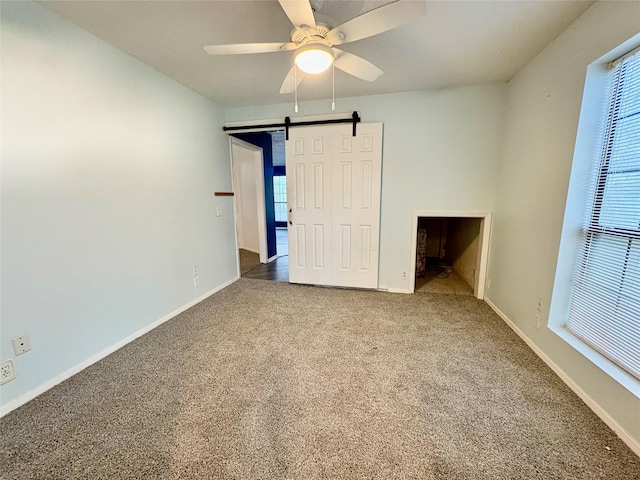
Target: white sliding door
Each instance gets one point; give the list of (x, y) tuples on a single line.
[(333, 185), (308, 161), (355, 209)]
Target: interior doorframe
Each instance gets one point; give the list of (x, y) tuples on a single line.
[(261, 214), (483, 247)]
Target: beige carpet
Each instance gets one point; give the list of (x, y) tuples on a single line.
[(439, 281), (266, 380), (248, 260)]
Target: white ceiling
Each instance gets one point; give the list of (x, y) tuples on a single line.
[(456, 43)]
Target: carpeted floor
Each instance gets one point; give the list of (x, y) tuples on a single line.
[(248, 260), (266, 380), (437, 281)]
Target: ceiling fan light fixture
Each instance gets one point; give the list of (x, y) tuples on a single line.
[(314, 58)]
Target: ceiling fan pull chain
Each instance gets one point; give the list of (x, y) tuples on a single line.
[(295, 88), (333, 87)]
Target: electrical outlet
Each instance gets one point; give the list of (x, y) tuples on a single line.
[(404, 275), (21, 344), (196, 281), (7, 371), (218, 211)]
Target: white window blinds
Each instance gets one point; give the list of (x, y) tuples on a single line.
[(604, 308)]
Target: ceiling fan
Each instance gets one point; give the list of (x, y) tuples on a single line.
[(315, 40)]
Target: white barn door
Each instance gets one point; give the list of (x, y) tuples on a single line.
[(333, 185), (357, 166), (308, 161)]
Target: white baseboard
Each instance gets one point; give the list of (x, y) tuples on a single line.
[(395, 290), (631, 442), (30, 395), (269, 260)]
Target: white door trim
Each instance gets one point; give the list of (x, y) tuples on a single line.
[(483, 248), (262, 217)]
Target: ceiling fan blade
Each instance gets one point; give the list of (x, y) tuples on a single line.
[(377, 21), (299, 12), (246, 48), (356, 66), (292, 80)]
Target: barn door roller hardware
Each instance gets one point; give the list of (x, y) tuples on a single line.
[(287, 124)]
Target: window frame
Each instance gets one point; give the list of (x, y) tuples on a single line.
[(589, 138), (280, 223)]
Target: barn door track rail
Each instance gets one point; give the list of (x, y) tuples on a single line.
[(287, 124)]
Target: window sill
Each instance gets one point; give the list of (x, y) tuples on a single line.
[(625, 379)]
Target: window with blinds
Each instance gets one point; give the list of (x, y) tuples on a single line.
[(604, 307)]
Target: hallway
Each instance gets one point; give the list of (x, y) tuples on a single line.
[(278, 269)]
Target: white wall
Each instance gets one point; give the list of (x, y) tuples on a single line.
[(544, 102), (440, 152), (245, 186), (108, 174), (463, 240)]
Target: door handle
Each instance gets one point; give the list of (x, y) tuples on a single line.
[(290, 215)]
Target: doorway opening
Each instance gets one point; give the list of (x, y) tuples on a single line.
[(449, 253), (250, 218), (274, 265), (332, 209)]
